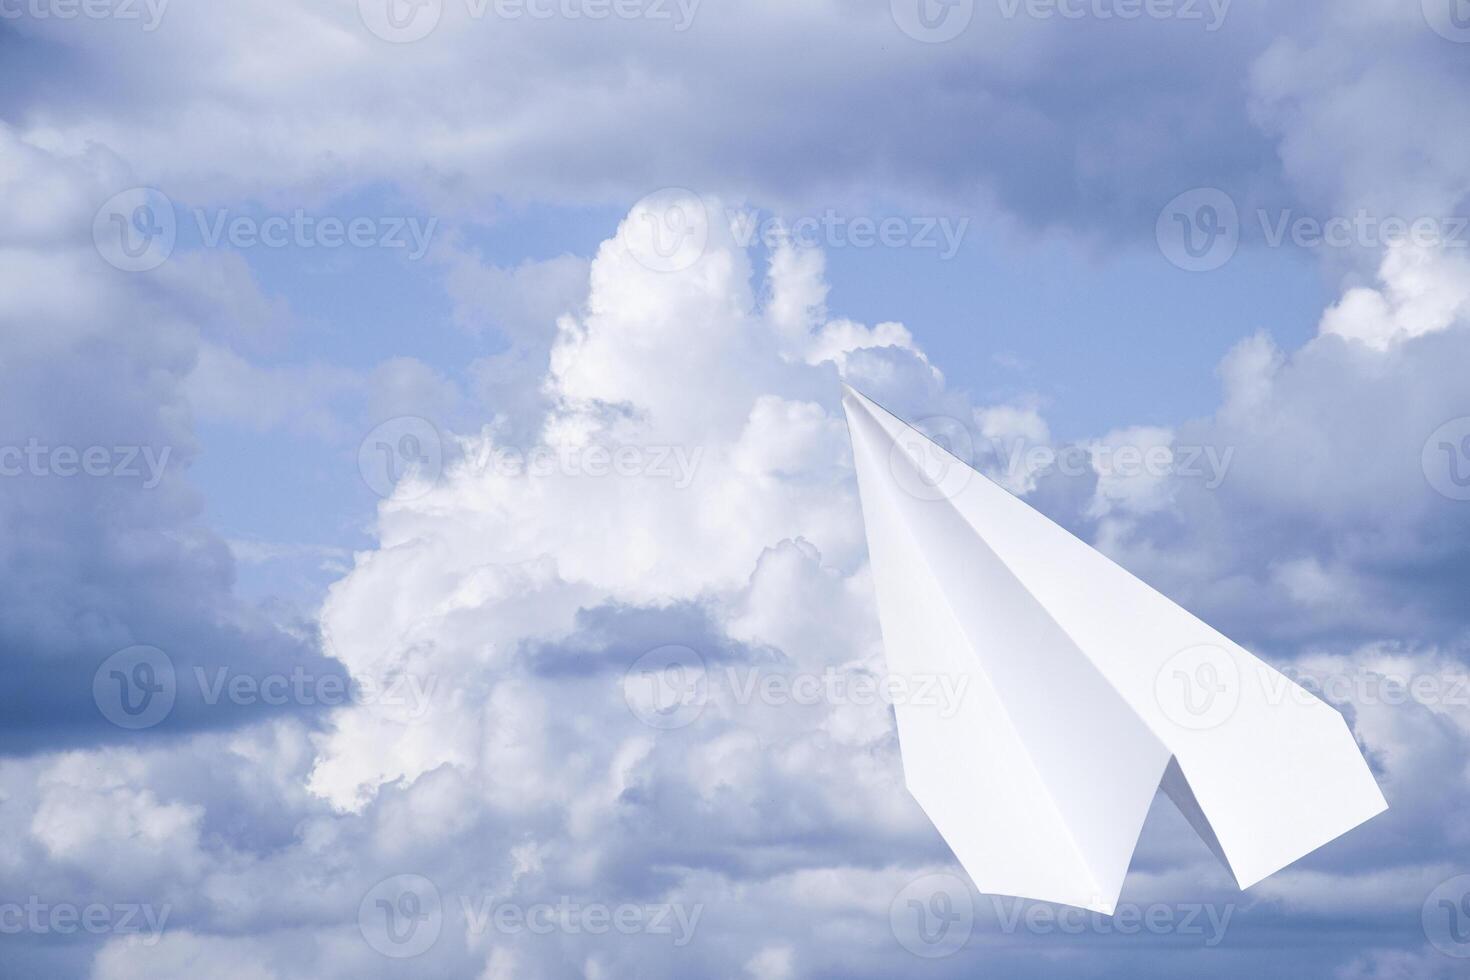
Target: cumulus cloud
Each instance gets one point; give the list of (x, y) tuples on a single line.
[(663, 471), (1423, 290), (716, 474), (506, 758)]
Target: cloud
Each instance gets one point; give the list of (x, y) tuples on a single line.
[(496, 739), (104, 548), (1423, 291), (500, 748), (542, 110), (538, 631)]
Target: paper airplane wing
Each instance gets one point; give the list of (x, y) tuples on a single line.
[(1084, 691)]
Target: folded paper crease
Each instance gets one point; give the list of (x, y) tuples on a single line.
[(1086, 692)]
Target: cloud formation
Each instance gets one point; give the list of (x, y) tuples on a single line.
[(644, 480)]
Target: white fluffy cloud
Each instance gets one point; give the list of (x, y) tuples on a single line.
[(505, 608), (718, 472), (499, 611), (1423, 290)]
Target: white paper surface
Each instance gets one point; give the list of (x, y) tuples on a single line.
[(1086, 691)]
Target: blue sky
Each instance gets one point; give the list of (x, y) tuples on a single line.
[(339, 646), (999, 315)]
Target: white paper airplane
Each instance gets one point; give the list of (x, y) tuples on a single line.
[(1086, 690)]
